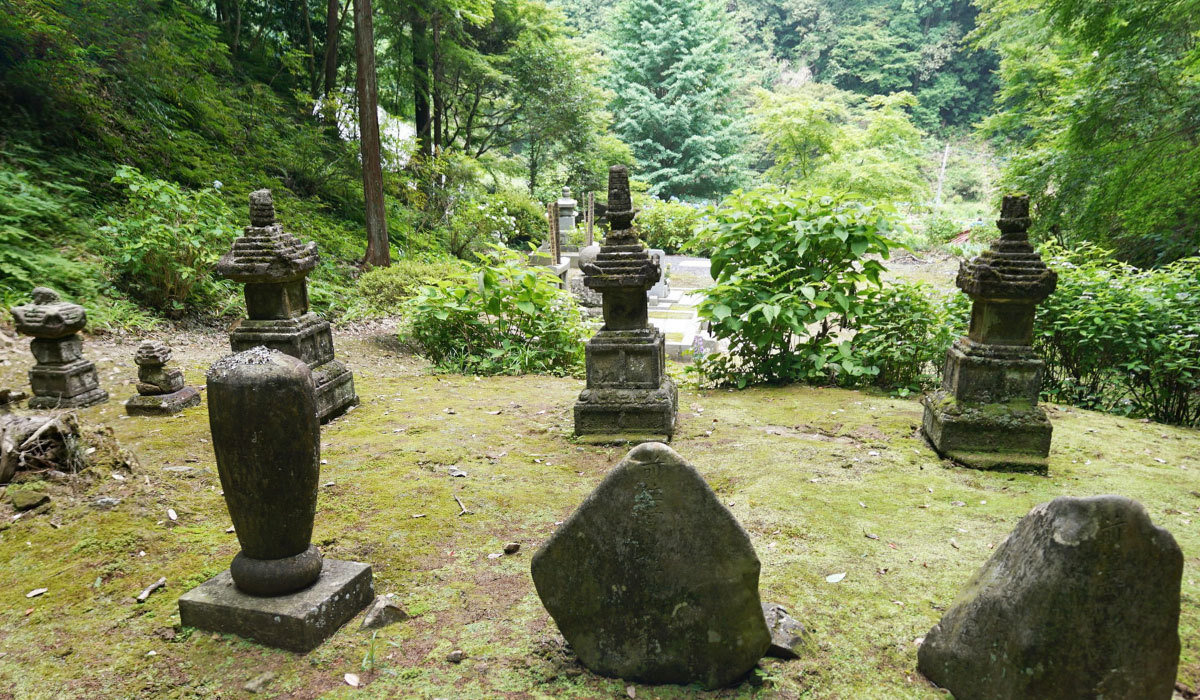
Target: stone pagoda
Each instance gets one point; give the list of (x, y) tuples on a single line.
[(628, 392), (274, 266), (161, 391), (61, 378), (986, 414)]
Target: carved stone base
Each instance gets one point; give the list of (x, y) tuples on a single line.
[(71, 385), (297, 621), (628, 415), (335, 390), (1001, 436), (163, 404)]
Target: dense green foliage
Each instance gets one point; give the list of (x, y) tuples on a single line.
[(383, 290), (817, 137), (162, 245), (1124, 340), (501, 317), (674, 74), (1098, 116), (792, 273), (669, 225), (904, 332)]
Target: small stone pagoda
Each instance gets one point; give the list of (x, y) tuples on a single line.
[(274, 266), (628, 392), (161, 391), (61, 378), (986, 414)]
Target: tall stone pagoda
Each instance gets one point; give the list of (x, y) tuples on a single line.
[(274, 266), (986, 414), (61, 378), (628, 391)]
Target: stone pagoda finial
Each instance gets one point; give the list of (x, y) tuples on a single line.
[(262, 209), (986, 414)]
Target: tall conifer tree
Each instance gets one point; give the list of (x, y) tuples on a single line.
[(674, 75)]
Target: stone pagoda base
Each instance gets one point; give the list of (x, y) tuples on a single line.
[(298, 621), (629, 397), (72, 385), (307, 337), (163, 404), (1011, 436)]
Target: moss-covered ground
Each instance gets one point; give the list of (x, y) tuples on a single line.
[(824, 480)]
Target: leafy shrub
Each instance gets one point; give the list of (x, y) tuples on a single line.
[(791, 272), (904, 332), (166, 240), (529, 217), (383, 290), (1119, 339), (668, 225), (33, 214), (493, 219), (500, 317)]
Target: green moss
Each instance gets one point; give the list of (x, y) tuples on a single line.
[(795, 464)]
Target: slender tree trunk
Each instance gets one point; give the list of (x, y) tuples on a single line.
[(333, 32), (439, 105), (378, 254), (313, 77), (420, 78)]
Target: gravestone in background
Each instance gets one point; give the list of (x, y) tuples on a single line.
[(61, 378), (161, 391), (274, 266), (1080, 601), (986, 414), (652, 579), (628, 391), (278, 591)]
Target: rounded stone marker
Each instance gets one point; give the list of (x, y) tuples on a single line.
[(1080, 601), (652, 579), (266, 437)]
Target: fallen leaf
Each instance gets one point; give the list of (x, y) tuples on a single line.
[(36, 592), (351, 680), (870, 536), (172, 514), (834, 578)]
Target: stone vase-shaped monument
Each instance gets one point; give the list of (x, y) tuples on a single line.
[(274, 266), (652, 578), (986, 414), (628, 391), (61, 378), (161, 391), (278, 591)]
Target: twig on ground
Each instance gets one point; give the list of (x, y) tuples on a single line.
[(464, 510), (141, 597)]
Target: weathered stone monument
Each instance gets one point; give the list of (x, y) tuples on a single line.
[(61, 378), (278, 591), (986, 414), (652, 579), (161, 391), (273, 266), (1080, 601), (628, 391)]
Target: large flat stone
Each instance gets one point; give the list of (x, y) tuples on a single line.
[(163, 404), (297, 622)]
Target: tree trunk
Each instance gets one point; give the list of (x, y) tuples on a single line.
[(313, 78), (420, 78), (333, 31), (439, 105), (378, 254)]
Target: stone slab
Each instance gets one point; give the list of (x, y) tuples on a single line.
[(163, 404), (88, 398), (298, 621), (992, 436)]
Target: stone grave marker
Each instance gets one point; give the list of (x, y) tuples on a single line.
[(986, 414), (279, 590), (61, 378), (274, 266), (1080, 601), (161, 391), (652, 579)]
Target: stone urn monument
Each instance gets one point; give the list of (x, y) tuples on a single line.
[(278, 591), (61, 378), (986, 414), (161, 391), (274, 266), (628, 391)]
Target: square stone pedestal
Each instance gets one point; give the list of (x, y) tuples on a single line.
[(1007, 437), (629, 397), (71, 385), (297, 622), (163, 404)]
